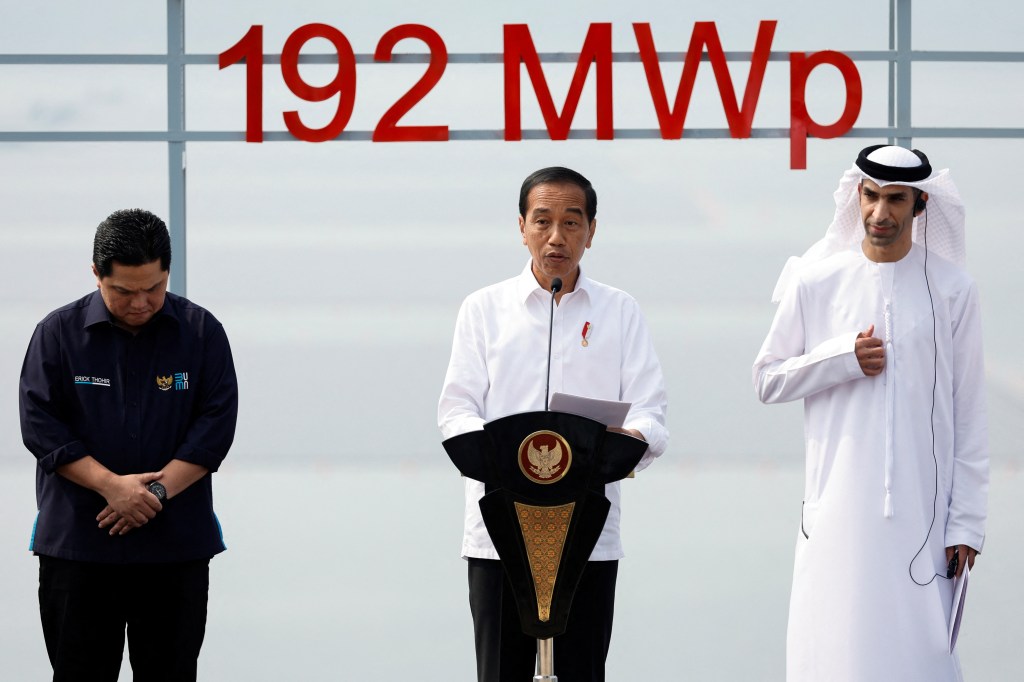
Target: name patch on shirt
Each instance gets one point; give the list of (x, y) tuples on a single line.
[(83, 380), (176, 380)]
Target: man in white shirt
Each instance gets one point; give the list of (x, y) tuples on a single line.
[(601, 349), (878, 331)]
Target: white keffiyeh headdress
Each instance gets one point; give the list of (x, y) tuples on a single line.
[(889, 165)]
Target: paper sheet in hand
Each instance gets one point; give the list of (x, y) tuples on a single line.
[(608, 412), (957, 612)]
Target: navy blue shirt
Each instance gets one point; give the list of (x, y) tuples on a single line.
[(133, 402)]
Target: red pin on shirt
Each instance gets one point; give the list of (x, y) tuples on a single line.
[(587, 328)]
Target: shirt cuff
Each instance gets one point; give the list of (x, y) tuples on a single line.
[(656, 436), (460, 425), (65, 454), (204, 458), (965, 537), (852, 364)]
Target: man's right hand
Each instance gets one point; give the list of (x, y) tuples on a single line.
[(129, 502), (870, 352)]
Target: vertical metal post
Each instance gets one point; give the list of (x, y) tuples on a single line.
[(903, 75), (176, 147), (545, 661), (892, 71)]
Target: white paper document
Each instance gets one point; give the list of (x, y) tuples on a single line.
[(608, 412), (957, 612)]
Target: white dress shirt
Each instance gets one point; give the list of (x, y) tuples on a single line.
[(498, 364)]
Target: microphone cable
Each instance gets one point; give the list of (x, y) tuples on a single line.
[(935, 382)]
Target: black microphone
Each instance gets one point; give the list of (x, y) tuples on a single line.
[(556, 286)]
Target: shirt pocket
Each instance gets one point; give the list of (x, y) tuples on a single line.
[(594, 369)]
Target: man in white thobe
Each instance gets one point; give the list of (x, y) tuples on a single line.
[(878, 331), (600, 348)]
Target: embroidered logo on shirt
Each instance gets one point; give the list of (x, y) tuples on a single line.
[(544, 457), (179, 381), (587, 328), (92, 381)]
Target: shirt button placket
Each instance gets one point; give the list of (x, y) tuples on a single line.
[(133, 415), (557, 350)]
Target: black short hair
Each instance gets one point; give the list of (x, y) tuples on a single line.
[(131, 237), (558, 175)]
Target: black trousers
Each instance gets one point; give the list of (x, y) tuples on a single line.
[(87, 607), (505, 654)]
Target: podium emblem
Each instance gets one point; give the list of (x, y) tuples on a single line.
[(545, 457)]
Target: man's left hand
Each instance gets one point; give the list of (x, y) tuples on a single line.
[(628, 432), (965, 557), (119, 525)]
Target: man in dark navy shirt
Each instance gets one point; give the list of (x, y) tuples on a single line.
[(128, 400)]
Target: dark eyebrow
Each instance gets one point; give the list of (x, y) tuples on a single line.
[(899, 195), (545, 210), (888, 192)]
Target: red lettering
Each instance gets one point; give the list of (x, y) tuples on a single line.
[(249, 49), (387, 129), (519, 51), (519, 48), (800, 123), (343, 84), (671, 121)]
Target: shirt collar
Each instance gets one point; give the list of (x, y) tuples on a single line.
[(97, 311), (526, 283)]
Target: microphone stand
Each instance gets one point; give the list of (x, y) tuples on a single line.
[(545, 661), (546, 647)]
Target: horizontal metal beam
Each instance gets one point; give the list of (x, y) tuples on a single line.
[(487, 58), (471, 135), (949, 56), (87, 59)]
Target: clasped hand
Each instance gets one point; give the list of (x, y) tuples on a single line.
[(129, 503)]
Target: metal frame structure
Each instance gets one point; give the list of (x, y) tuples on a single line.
[(900, 130)]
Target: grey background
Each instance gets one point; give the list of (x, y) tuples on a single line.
[(337, 270)]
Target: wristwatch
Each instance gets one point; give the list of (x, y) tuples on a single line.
[(158, 489)]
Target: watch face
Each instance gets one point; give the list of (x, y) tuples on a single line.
[(159, 490)]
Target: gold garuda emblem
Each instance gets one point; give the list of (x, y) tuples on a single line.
[(545, 457), (164, 383)]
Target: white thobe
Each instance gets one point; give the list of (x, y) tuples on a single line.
[(499, 362), (855, 613)]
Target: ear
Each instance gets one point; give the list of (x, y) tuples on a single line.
[(522, 228), (593, 229), (920, 204), (96, 273)]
